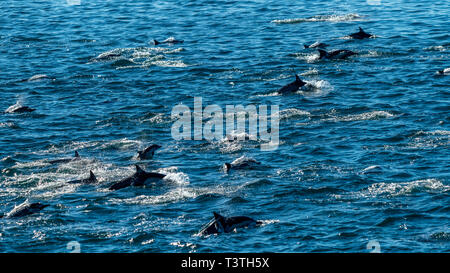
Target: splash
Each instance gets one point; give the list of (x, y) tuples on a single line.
[(400, 189)]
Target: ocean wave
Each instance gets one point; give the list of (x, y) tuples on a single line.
[(143, 57), (439, 48), (373, 115), (321, 18), (310, 72), (174, 195), (429, 139), (8, 125), (400, 189), (293, 113)]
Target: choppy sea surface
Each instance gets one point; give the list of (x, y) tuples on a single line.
[(363, 156)]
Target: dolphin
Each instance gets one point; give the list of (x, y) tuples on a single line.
[(18, 109), (240, 163), (137, 179), (336, 54), (107, 56), (148, 152), (65, 160), (221, 224), (92, 179), (170, 40), (292, 87), (444, 71), (316, 45), (37, 77), (361, 34), (24, 209)]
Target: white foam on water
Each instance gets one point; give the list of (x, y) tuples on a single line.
[(321, 18), (430, 139), (7, 124), (312, 57), (273, 94), (399, 189), (140, 57), (373, 115), (293, 112), (174, 195), (268, 222), (174, 175), (316, 88), (169, 63), (159, 118), (436, 48), (310, 72), (436, 132)]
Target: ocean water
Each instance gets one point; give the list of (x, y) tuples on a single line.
[(363, 157)]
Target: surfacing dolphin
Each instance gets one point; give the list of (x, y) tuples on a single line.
[(90, 180), (444, 71), (37, 77), (148, 152), (65, 160), (292, 87), (241, 163), (18, 109), (361, 34), (336, 54), (316, 45), (222, 224), (170, 40), (139, 178), (24, 209)]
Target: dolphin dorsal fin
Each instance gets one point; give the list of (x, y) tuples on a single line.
[(92, 176), (227, 166), (299, 81), (76, 154), (217, 216), (156, 42), (138, 169), (361, 30), (322, 52)]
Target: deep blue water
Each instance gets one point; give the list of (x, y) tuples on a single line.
[(364, 154)]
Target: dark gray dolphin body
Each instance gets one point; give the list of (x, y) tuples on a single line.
[(316, 45), (444, 71), (137, 179), (336, 54), (292, 87), (168, 41), (222, 224), (20, 109), (90, 180), (148, 152), (361, 34), (24, 210), (65, 160)]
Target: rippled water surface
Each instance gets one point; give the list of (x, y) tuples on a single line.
[(364, 152)]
